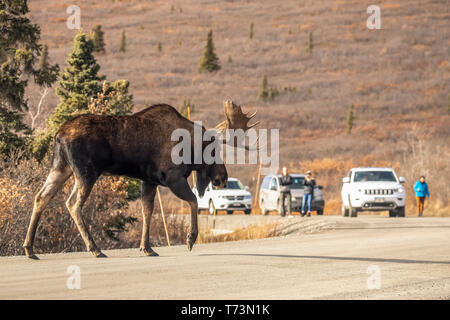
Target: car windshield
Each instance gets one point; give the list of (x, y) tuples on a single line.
[(297, 183), (234, 184), (364, 176)]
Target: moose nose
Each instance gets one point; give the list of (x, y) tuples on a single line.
[(220, 182)]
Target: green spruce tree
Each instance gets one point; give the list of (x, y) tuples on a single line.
[(264, 89), (209, 62), (97, 36), (251, 31), (350, 118), (123, 42), (310, 46), (19, 52), (79, 82), (77, 85)]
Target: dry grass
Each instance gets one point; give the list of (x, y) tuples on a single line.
[(250, 233)]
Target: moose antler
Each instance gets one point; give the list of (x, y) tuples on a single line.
[(236, 119)]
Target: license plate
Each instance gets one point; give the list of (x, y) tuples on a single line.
[(236, 204), (379, 199)]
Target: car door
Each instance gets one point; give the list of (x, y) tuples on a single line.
[(203, 201), (263, 190), (273, 194)]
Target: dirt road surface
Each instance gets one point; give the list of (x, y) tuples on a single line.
[(406, 258)]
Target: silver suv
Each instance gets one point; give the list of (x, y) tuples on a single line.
[(269, 194)]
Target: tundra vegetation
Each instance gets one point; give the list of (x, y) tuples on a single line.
[(397, 78)]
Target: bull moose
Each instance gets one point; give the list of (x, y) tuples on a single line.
[(137, 146)]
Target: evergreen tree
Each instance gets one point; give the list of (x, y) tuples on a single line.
[(97, 36), (123, 42), (19, 51), (251, 31), (350, 118), (310, 46), (209, 61), (79, 82), (264, 89)]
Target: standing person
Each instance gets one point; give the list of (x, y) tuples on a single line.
[(285, 196), (308, 193), (421, 190)]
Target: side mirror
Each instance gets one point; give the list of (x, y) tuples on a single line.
[(346, 180), (246, 188), (402, 179)]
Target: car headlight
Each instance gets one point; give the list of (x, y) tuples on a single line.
[(400, 190), (247, 197)]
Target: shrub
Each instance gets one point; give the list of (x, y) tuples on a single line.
[(184, 108), (105, 212)]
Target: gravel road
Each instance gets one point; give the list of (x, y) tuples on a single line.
[(368, 257)]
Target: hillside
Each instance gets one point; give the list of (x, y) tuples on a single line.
[(398, 78)]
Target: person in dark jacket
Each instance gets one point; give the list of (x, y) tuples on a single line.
[(421, 190), (308, 193), (285, 192)]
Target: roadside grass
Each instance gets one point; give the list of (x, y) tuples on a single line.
[(250, 233)]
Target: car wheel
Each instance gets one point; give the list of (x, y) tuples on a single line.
[(401, 212), (248, 211), (264, 211), (212, 208), (351, 211), (229, 211), (319, 212), (344, 211), (392, 213)]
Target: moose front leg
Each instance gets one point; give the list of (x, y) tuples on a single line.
[(148, 200), (183, 191)]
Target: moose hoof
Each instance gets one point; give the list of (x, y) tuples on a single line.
[(30, 254), (191, 240), (99, 254), (150, 253)]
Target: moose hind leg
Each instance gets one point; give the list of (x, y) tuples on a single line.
[(148, 200), (75, 203), (182, 190), (52, 185)]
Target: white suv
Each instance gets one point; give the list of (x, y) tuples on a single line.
[(234, 197), (373, 189)]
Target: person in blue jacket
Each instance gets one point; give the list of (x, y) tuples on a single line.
[(421, 190)]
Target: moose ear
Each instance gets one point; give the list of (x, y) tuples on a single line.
[(202, 181)]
